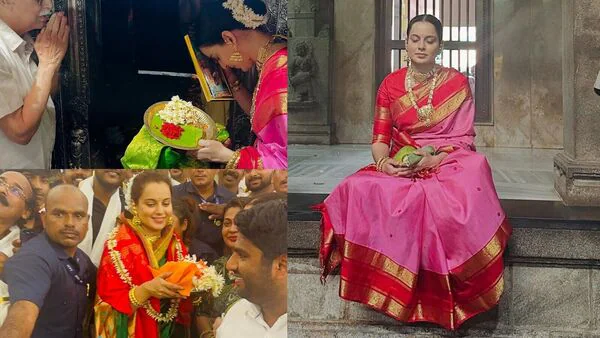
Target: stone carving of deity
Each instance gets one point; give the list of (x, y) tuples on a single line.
[(302, 71)]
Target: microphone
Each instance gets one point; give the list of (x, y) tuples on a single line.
[(597, 85)]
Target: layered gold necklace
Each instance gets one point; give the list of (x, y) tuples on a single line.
[(423, 113)]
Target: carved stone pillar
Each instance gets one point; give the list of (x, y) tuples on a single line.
[(577, 169), (309, 71)]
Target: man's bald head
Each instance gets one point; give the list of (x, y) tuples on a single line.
[(66, 192), (66, 217)]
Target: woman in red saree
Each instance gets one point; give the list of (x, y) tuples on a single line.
[(131, 302), (423, 243), (230, 32)]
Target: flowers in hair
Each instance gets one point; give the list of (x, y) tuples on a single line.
[(245, 15)]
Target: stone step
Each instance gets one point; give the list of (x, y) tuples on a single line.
[(538, 301), (325, 329)]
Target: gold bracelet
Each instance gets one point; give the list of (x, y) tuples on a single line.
[(235, 158), (378, 164), (381, 162), (134, 301)]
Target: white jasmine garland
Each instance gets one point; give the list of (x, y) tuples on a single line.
[(211, 281), (245, 15), (127, 193)]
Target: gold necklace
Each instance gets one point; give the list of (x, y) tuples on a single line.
[(152, 238), (265, 52), (423, 113), (420, 77)]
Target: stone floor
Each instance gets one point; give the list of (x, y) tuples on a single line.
[(519, 174)]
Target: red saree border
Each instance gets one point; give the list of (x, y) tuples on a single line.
[(371, 278)]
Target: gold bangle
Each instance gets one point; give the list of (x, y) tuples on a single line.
[(233, 161), (134, 301), (381, 162)]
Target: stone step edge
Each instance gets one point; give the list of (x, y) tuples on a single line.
[(400, 329)]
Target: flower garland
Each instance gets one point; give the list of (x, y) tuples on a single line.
[(124, 275)]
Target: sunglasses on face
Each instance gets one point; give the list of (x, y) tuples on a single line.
[(13, 189)]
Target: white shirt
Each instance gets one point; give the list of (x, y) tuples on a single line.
[(17, 75), (6, 248), (94, 248), (245, 319)]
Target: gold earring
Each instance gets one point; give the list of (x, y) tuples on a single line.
[(236, 57), (170, 221), (135, 221)]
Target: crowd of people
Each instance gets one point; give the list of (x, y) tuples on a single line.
[(77, 251)]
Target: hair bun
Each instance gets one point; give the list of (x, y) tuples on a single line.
[(258, 6)]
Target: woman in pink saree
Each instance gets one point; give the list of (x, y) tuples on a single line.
[(229, 32), (423, 243)]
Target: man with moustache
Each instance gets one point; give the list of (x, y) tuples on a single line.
[(259, 181), (104, 206), (203, 189), (16, 200), (27, 113), (259, 261), (75, 176), (230, 179), (50, 280), (41, 182), (280, 181)]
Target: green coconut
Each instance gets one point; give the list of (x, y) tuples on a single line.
[(403, 152), (406, 155), (428, 149)]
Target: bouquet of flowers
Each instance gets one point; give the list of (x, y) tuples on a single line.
[(210, 281), (194, 276)]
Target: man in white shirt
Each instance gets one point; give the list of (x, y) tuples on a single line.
[(104, 206), (16, 200), (259, 261), (27, 114)]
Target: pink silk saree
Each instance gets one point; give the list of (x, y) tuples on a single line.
[(427, 249), (269, 122)]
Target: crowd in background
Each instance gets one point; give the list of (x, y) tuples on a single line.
[(204, 202)]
